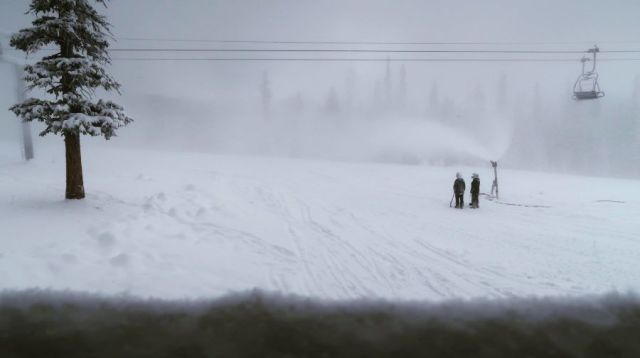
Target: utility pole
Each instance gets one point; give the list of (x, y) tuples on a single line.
[(27, 140)]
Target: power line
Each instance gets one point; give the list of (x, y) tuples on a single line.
[(308, 59), (409, 43), (358, 51), (404, 43), (354, 51), (390, 51), (259, 50), (321, 42)]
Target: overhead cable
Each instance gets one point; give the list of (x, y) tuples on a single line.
[(308, 59)]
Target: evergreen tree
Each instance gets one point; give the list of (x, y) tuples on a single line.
[(265, 93), (402, 90), (377, 95), (479, 100), (501, 100), (332, 104), (434, 101), (448, 110), (69, 77), (537, 128), (296, 103), (387, 84), (351, 86)]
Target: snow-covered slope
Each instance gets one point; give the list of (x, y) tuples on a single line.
[(180, 225)]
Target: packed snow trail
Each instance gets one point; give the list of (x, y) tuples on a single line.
[(176, 225)]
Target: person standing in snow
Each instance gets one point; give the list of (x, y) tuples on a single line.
[(475, 190), (458, 191)]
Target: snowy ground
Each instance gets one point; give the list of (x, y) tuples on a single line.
[(177, 225)]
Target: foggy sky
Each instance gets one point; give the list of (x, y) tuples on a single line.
[(364, 20), (220, 89)]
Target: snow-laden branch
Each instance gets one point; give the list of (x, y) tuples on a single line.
[(74, 114), (80, 74)]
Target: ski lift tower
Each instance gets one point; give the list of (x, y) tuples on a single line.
[(27, 141)]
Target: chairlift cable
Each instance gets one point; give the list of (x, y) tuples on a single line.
[(409, 43), (307, 59), (361, 51)]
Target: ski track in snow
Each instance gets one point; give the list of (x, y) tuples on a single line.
[(194, 225)]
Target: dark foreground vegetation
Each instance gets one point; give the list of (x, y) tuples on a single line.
[(46, 324)]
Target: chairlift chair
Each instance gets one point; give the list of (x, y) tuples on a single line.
[(586, 86)]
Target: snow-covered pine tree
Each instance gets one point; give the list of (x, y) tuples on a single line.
[(402, 88), (265, 92), (70, 78)]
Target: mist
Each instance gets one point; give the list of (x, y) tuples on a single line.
[(393, 107)]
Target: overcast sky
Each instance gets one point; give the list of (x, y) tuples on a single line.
[(545, 21), (339, 20), (464, 20), (223, 90)]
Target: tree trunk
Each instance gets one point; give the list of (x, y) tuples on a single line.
[(75, 183)]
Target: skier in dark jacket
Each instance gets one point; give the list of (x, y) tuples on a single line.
[(458, 191), (475, 191)]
